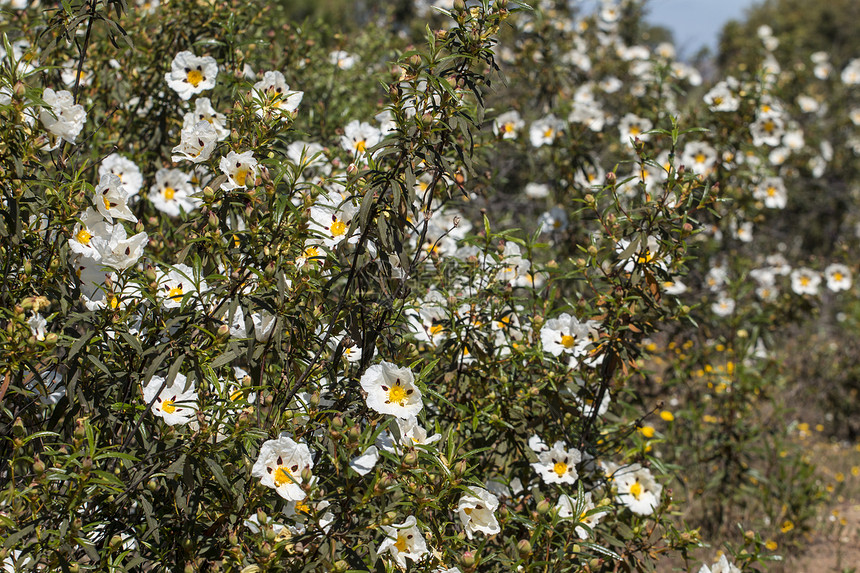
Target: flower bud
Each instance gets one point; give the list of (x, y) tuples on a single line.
[(410, 459), (543, 507), (524, 547), (468, 559), (307, 475), (115, 542)]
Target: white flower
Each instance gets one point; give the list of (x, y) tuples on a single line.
[(476, 512), (196, 142), (91, 224), (111, 199), (280, 466), (392, 390), (566, 334), (721, 566), (633, 127), (359, 136), (643, 256), (536, 190), (838, 277), (364, 463), (279, 100), (175, 403), (537, 444), (38, 326), (508, 125), (558, 464), (404, 541), (724, 305), (545, 130), (117, 249), (571, 507), (64, 118), (851, 73), (171, 192), (413, 434), (127, 171), (333, 219), (699, 156), (190, 74), (177, 283), (805, 281), (264, 322), (767, 130), (637, 489), (721, 98), (343, 60), (203, 111), (240, 169), (771, 190)]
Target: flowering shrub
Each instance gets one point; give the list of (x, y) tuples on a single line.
[(281, 299)]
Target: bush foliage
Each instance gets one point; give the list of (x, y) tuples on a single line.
[(437, 286)]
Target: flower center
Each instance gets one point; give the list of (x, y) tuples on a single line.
[(282, 476), (568, 341), (635, 130), (548, 133), (240, 176), (169, 193), (114, 301), (194, 77), (84, 236), (168, 407), (397, 395), (837, 277), (560, 468), (507, 128), (107, 204), (337, 228), (401, 543), (175, 293), (804, 281), (636, 490), (361, 146), (645, 257)]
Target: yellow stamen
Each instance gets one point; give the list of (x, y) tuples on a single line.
[(282, 476), (337, 228), (240, 176), (84, 236), (568, 341), (560, 468), (397, 395), (194, 77), (169, 193), (168, 407)]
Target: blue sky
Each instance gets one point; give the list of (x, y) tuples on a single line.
[(695, 23)]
